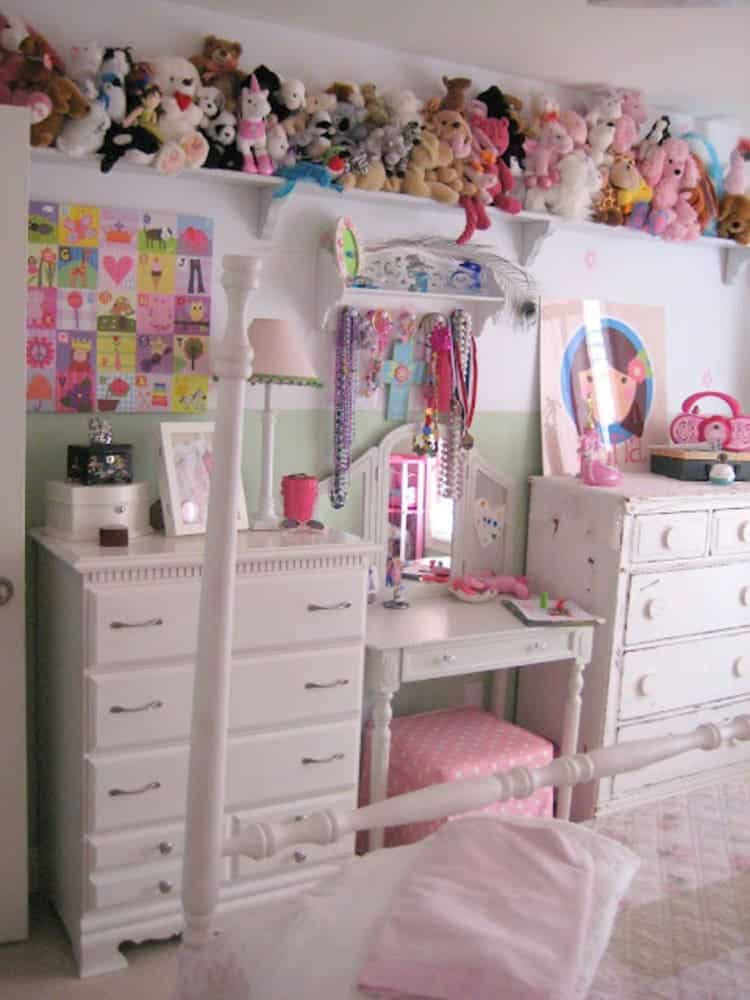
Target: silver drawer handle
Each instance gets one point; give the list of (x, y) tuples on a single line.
[(299, 857), (165, 886), (166, 847), (323, 760), (315, 686), (119, 709), (150, 787), (341, 606), (149, 623), (449, 658)]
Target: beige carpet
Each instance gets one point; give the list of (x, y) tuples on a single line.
[(42, 968)]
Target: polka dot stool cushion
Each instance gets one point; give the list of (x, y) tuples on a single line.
[(456, 743)]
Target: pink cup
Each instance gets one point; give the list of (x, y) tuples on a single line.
[(300, 493)]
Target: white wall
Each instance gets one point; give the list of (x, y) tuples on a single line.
[(706, 321)]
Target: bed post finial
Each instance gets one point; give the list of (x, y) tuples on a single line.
[(204, 825)]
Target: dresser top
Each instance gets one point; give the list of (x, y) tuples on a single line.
[(299, 548), (645, 488)]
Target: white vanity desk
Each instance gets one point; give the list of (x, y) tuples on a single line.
[(442, 637)]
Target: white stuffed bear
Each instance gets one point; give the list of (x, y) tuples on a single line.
[(606, 107), (600, 139), (179, 82), (580, 181), (83, 68), (404, 107)]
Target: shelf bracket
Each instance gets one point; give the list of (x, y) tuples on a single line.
[(735, 259), (534, 233), (269, 211)]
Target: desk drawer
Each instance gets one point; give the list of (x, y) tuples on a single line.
[(142, 788), (693, 762), (447, 660), (730, 532), (140, 885), (152, 706), (672, 677), (687, 602), (670, 536)]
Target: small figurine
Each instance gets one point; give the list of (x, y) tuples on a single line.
[(722, 473), (594, 471), (393, 579), (146, 111), (100, 431)]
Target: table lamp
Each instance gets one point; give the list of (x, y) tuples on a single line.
[(279, 359)]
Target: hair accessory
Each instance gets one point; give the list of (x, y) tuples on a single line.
[(376, 333), (347, 341)]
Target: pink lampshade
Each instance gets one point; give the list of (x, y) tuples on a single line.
[(280, 357)]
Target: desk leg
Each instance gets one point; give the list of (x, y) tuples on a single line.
[(382, 684), (571, 723)]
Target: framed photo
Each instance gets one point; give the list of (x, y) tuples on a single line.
[(186, 461)]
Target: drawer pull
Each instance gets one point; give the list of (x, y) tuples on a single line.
[(302, 816), (744, 531), (316, 686), (150, 705), (745, 596), (671, 538), (341, 606), (323, 760), (537, 646), (166, 847), (299, 857), (654, 608), (738, 667), (149, 623), (449, 658), (645, 685), (152, 786), (165, 886)]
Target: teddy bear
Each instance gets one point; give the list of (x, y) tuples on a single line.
[(426, 160), (606, 106), (83, 66), (342, 91), (84, 136), (543, 109), (543, 154), (455, 97), (580, 181), (377, 113), (218, 64), (404, 107), (501, 105), (490, 138), (221, 133), (36, 74), (633, 118), (623, 189), (734, 218), (178, 81), (211, 102), (453, 131)]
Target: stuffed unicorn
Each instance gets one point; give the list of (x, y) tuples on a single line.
[(252, 140)]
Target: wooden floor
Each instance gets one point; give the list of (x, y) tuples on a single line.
[(42, 968)]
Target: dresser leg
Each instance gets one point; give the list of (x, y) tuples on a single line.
[(380, 751), (98, 956), (571, 723)]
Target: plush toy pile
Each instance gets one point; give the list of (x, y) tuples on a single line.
[(599, 161)]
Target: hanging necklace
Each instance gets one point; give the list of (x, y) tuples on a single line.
[(426, 441), (464, 372), (347, 341), (376, 332)]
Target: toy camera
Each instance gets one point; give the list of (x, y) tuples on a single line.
[(728, 433)]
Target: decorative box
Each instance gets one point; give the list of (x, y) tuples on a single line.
[(450, 744), (97, 464), (78, 512), (694, 464)]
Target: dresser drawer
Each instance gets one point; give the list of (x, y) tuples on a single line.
[(730, 531), (672, 677), (693, 762), (142, 624), (312, 607), (145, 847), (141, 788), (470, 657), (154, 884), (147, 706), (293, 858), (670, 536), (686, 602)]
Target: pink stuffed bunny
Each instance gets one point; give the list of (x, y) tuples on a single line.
[(544, 153)]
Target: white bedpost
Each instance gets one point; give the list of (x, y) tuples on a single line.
[(232, 364)]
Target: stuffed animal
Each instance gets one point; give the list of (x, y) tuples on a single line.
[(254, 108), (218, 64), (490, 139), (326, 101), (426, 160), (672, 172), (576, 127), (543, 109), (376, 108), (543, 154), (278, 146), (288, 99), (211, 102), (67, 100), (624, 188), (178, 82), (84, 65), (84, 136), (39, 104), (134, 144), (580, 182), (606, 107), (734, 218), (633, 118), (600, 138), (656, 135), (404, 107), (455, 97), (317, 139), (221, 133), (340, 91), (116, 65), (389, 145)]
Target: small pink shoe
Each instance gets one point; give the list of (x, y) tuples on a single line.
[(265, 164), (595, 473), (249, 165)]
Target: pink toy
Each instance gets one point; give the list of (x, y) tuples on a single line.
[(722, 433), (576, 127), (251, 131), (594, 471), (634, 116), (671, 170), (479, 583), (544, 153), (734, 182)]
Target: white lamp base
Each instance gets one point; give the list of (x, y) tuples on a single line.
[(257, 522)]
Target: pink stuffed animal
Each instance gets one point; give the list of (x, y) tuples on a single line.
[(671, 171), (544, 153), (251, 131), (576, 127), (628, 126)]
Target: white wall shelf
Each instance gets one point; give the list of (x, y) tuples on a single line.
[(533, 229)]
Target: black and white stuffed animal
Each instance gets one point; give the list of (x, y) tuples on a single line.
[(221, 133), (115, 66), (211, 102), (136, 144)]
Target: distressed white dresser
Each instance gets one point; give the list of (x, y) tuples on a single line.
[(667, 564), (116, 638)]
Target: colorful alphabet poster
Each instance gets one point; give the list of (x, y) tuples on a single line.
[(118, 310), (602, 364)]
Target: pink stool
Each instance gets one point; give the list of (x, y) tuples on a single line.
[(455, 743)]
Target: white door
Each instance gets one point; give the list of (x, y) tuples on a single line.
[(14, 128)]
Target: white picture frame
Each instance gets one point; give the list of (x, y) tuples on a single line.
[(185, 451)]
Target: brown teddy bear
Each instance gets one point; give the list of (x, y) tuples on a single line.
[(455, 99), (427, 162), (218, 65), (345, 91), (453, 131), (734, 218), (37, 74)]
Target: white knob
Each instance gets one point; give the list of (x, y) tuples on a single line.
[(671, 538), (744, 531), (654, 608), (738, 667), (646, 684), (449, 658), (745, 596)]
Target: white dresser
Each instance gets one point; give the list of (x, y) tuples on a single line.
[(116, 637), (667, 564)]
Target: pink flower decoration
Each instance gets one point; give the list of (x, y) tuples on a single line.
[(40, 352), (637, 370)]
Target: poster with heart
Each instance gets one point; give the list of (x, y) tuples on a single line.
[(118, 309)]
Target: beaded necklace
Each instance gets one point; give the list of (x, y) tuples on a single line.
[(457, 439), (347, 342), (376, 331)]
